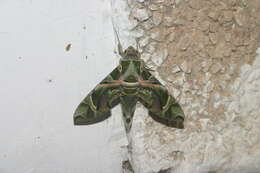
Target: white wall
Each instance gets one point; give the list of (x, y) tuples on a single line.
[(41, 84)]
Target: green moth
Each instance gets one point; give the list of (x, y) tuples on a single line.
[(130, 82)]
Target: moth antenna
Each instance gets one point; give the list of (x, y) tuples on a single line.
[(137, 46), (119, 45)]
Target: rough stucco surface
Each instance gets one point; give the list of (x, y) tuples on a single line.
[(205, 53)]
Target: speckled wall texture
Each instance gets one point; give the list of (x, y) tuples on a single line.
[(205, 51)]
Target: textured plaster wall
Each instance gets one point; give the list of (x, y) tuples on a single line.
[(205, 52), (41, 84)]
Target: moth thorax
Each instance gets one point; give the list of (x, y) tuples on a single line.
[(131, 78), (130, 69)]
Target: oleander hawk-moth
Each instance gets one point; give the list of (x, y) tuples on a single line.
[(130, 82)]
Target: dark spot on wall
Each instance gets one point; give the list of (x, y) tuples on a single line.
[(67, 48)]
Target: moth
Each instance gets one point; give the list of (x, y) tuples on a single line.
[(130, 82)]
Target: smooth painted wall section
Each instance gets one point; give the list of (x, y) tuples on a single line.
[(41, 84)]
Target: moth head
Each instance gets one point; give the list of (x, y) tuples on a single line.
[(132, 53)]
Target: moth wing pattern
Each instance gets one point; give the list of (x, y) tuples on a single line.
[(161, 105), (97, 105)]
